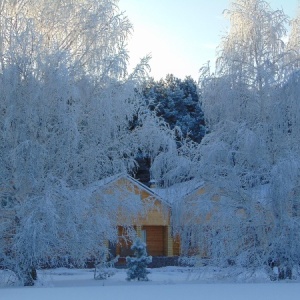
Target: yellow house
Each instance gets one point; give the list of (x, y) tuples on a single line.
[(196, 216), (151, 223), (184, 198), (204, 211)]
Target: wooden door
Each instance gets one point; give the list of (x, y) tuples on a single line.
[(155, 240)]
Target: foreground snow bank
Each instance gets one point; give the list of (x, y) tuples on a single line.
[(165, 283), (159, 291)]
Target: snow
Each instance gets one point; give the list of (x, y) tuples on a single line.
[(165, 283), (178, 191)]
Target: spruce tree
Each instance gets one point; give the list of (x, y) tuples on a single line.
[(178, 103), (137, 265)]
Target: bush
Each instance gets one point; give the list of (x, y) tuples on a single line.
[(137, 265)]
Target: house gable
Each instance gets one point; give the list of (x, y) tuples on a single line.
[(123, 185)]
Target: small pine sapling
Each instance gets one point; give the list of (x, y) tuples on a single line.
[(137, 265)]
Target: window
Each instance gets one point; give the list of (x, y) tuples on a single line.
[(144, 235)]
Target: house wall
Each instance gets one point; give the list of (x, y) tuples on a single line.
[(158, 240), (176, 245), (155, 223), (157, 215), (123, 247)]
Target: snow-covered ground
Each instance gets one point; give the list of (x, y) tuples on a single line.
[(165, 283)]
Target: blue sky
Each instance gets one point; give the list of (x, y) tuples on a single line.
[(181, 35)]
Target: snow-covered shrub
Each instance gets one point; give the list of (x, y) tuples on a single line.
[(137, 265), (105, 269)]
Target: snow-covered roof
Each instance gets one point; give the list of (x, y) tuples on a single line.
[(94, 187), (166, 195), (178, 191)]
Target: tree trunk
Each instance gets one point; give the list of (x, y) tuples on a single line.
[(29, 276)]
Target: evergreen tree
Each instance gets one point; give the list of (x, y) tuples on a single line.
[(137, 265), (178, 103)]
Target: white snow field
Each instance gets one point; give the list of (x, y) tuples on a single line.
[(165, 283)]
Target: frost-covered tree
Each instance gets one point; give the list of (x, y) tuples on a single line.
[(250, 156), (137, 266), (252, 51), (93, 32), (293, 46), (177, 102), (66, 105)]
